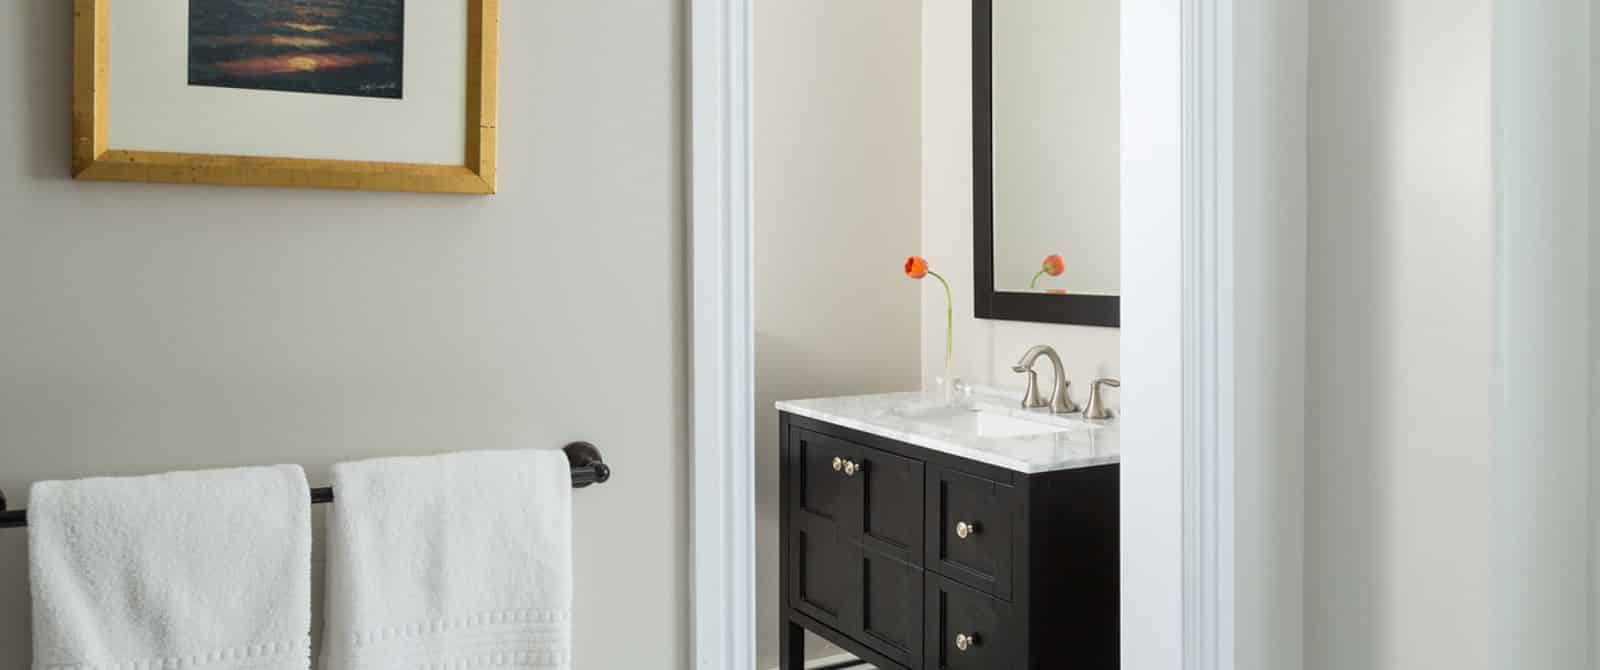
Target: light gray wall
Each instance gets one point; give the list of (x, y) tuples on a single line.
[(1594, 338), (149, 327), (1400, 321), (837, 209), (1269, 383), (985, 350), (1540, 460)]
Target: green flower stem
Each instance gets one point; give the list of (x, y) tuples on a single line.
[(1036, 276), (949, 321)]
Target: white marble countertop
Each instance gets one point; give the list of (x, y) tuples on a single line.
[(914, 418)]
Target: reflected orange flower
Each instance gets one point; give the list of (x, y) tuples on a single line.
[(1053, 265)]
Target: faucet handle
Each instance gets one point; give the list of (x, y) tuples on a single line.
[(1096, 409), (1031, 399)]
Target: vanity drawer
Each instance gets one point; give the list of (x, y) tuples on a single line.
[(970, 526), (969, 630)]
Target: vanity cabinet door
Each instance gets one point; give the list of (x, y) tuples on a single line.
[(822, 489), (892, 506), (969, 630), (891, 607), (825, 576), (875, 497), (824, 580), (970, 522), (855, 541)]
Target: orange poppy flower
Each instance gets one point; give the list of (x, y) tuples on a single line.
[(916, 267)]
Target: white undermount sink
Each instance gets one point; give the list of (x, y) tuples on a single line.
[(984, 423)]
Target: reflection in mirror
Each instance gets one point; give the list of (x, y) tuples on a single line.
[(1056, 145), (1048, 108)]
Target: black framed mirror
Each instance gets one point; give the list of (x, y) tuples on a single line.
[(1046, 161)]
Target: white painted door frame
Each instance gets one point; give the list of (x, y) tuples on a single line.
[(722, 410), (1208, 336), (1177, 336)]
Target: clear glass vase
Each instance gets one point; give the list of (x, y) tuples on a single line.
[(943, 387)]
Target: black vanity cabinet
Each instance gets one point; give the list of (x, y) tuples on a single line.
[(912, 558)]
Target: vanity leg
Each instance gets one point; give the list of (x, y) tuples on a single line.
[(791, 647)]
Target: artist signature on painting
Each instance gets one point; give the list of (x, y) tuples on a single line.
[(385, 86)]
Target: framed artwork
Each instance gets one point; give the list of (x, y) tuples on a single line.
[(386, 95)]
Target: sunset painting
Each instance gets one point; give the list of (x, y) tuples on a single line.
[(334, 47)]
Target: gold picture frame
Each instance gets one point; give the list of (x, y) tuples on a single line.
[(95, 158)]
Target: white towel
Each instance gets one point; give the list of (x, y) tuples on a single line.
[(455, 561), (197, 570)]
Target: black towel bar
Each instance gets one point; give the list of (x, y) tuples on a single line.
[(587, 468)]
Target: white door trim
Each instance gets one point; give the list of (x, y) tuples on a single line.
[(1178, 316), (721, 426), (1177, 334), (1208, 319), (1152, 212)]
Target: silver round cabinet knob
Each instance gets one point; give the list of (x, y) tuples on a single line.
[(965, 530), (850, 468), (838, 464), (965, 642)]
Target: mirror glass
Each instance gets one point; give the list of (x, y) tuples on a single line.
[(1054, 103)]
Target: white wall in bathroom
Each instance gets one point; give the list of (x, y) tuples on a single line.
[(985, 350), (151, 327), (837, 208), (1400, 351)]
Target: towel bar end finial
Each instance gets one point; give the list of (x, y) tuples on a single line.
[(583, 454)]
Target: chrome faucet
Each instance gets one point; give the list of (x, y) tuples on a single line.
[(1060, 399)]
